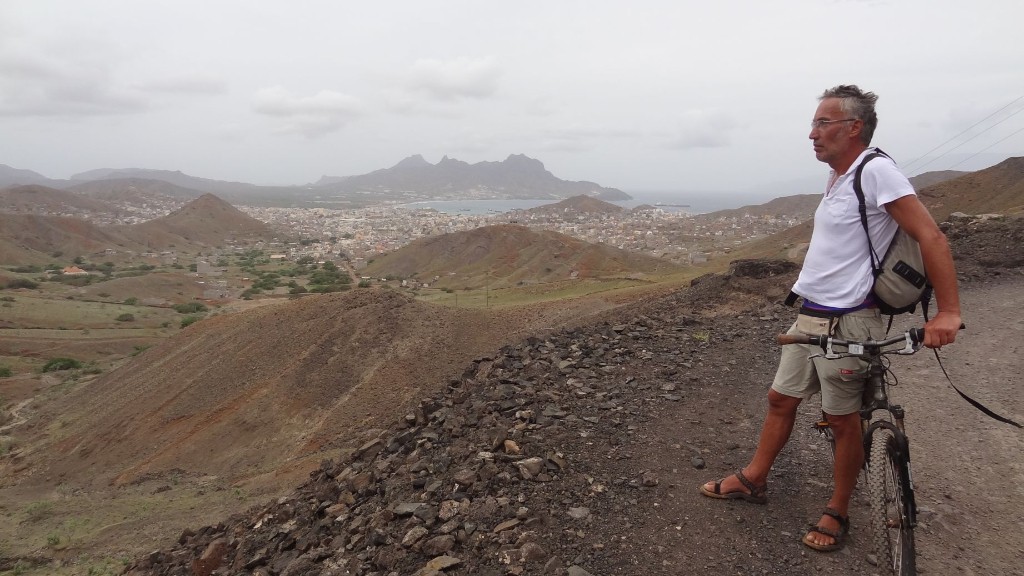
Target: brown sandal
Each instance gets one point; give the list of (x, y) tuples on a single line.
[(839, 536), (755, 496)]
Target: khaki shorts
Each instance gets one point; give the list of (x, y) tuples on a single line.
[(841, 382)]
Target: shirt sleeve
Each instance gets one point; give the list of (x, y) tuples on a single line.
[(883, 182)]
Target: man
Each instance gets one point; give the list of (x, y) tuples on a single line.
[(835, 284)]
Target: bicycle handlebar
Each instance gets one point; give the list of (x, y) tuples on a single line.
[(916, 336)]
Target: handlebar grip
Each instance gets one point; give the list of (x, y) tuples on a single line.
[(917, 334), (794, 339)]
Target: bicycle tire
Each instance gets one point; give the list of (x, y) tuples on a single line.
[(888, 491)]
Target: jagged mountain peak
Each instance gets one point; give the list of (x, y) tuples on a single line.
[(414, 161)]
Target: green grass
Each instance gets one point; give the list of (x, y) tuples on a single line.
[(538, 293), (42, 312)]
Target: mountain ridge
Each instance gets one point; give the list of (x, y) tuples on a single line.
[(518, 176)]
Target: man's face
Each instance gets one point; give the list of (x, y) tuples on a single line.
[(832, 139)]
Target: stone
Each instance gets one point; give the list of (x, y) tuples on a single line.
[(506, 525), (579, 513), (414, 535), (409, 508), (448, 510), (211, 558), (465, 477), (438, 545), (530, 467), (532, 552), (442, 563)]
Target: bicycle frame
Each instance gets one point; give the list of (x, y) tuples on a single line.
[(876, 398)]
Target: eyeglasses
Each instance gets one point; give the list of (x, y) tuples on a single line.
[(819, 124)]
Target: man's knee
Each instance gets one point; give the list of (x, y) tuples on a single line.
[(779, 403), (844, 423)]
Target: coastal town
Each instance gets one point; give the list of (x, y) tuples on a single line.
[(360, 235)]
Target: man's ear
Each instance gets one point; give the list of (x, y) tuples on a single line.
[(855, 129)]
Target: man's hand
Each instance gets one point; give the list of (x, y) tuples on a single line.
[(942, 329)]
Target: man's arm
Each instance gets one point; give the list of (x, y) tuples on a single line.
[(915, 220)]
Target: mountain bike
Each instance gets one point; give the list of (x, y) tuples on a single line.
[(890, 484)]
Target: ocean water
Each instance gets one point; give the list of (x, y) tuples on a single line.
[(690, 202)]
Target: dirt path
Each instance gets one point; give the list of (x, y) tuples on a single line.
[(969, 468), (969, 473)]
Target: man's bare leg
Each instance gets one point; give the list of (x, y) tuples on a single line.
[(848, 462), (778, 425)]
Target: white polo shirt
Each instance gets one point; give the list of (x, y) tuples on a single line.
[(837, 268)]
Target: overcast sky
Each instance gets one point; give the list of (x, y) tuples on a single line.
[(644, 95)]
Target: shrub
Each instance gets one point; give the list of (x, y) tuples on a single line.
[(126, 317), (132, 301), (190, 308), (187, 320), (5, 372), (364, 283), (38, 510), (22, 283), (6, 298), (61, 364)]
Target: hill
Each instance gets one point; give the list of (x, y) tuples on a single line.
[(176, 177), (579, 444), (930, 178), (998, 189), (32, 239), (265, 391), (205, 221), (11, 176), (579, 453), (133, 191), (577, 206), (36, 199), (797, 206), (518, 176), (510, 254)]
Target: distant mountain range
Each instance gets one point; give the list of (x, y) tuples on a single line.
[(517, 177), (412, 179)]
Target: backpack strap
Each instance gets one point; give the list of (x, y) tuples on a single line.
[(876, 262)]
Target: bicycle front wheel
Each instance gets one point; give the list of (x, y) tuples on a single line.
[(890, 493)]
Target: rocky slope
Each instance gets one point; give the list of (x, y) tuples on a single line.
[(579, 452)]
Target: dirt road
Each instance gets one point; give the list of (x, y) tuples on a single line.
[(969, 473)]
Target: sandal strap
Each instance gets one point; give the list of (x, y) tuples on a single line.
[(825, 531), (835, 515), (755, 491)]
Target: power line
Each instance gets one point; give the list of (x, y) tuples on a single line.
[(907, 165), (985, 148), (944, 154)]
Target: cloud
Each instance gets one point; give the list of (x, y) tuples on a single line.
[(184, 84), (35, 85), (462, 78), (703, 129), (322, 113)]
